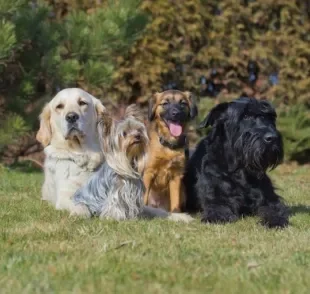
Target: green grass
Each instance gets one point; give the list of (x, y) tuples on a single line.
[(45, 251)]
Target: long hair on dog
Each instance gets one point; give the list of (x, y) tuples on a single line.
[(116, 190)]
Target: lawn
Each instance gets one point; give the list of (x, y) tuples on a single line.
[(45, 251)]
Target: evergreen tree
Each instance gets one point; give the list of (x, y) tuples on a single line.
[(40, 54)]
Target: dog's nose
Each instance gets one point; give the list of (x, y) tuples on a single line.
[(269, 137), (138, 136), (175, 112), (72, 117)]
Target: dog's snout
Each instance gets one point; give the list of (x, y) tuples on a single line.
[(138, 136), (269, 137), (72, 117), (175, 112)]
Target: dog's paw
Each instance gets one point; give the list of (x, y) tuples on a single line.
[(95, 159), (218, 214), (180, 217), (274, 216), (80, 210)]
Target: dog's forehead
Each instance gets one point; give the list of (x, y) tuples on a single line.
[(172, 95), (71, 96), (252, 106), (129, 124)]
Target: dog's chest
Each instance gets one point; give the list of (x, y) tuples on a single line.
[(167, 167), (67, 170), (244, 188)]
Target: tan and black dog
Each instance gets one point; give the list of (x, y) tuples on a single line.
[(169, 114)]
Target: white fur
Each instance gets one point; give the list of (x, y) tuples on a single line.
[(70, 159)]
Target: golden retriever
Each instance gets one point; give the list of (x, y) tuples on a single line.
[(68, 131)]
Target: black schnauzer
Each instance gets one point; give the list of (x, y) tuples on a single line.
[(226, 175)]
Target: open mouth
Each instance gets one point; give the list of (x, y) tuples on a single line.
[(175, 128)]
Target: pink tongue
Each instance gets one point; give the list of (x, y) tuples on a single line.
[(175, 130)]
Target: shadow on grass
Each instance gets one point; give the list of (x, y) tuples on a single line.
[(26, 167), (296, 209)]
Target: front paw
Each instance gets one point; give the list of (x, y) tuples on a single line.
[(180, 217), (80, 210), (95, 159), (274, 216), (218, 214)]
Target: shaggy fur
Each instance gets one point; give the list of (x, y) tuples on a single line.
[(116, 190), (169, 114), (68, 131), (226, 176)]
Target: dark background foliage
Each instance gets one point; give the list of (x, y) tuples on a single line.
[(123, 51)]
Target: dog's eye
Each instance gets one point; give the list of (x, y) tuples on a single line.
[(60, 106), (82, 103), (124, 134), (184, 103), (164, 103), (246, 116)]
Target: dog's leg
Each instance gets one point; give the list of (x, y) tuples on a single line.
[(274, 215), (80, 210), (147, 180), (213, 213), (152, 212), (175, 194)]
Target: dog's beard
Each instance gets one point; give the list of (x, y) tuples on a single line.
[(256, 156)]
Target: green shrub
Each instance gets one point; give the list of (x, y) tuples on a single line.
[(294, 124)]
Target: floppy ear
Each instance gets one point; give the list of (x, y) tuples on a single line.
[(44, 135), (134, 111), (104, 129), (152, 107), (193, 111), (213, 115), (100, 109)]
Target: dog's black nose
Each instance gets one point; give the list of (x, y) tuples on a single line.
[(138, 137), (269, 137), (72, 117), (175, 112)]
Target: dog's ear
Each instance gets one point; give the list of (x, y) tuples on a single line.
[(214, 115), (104, 129), (134, 111), (44, 135), (152, 107), (100, 109), (192, 104)]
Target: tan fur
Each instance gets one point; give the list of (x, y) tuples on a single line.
[(165, 167), (44, 134), (70, 159)]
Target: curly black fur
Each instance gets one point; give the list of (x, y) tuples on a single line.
[(226, 176)]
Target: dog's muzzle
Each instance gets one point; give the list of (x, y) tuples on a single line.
[(73, 129), (72, 117), (174, 116)]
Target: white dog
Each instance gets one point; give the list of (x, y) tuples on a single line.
[(68, 131)]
